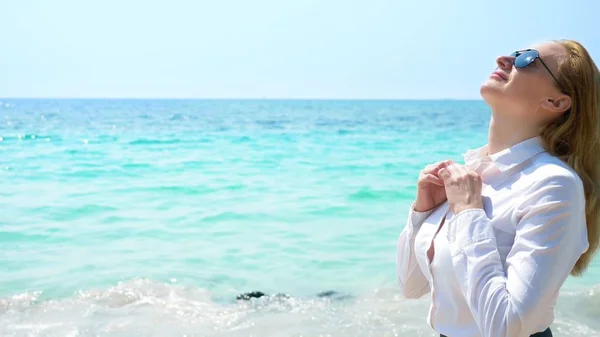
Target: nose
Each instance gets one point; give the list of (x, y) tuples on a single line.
[(505, 62)]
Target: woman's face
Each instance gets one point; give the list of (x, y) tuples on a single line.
[(526, 89)]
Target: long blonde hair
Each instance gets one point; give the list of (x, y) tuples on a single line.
[(575, 137)]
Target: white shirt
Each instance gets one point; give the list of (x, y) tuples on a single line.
[(497, 271)]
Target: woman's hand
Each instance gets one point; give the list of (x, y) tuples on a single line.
[(463, 187), (430, 187)]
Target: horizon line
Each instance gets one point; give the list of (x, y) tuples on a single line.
[(243, 98)]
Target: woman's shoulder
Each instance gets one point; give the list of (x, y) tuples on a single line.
[(547, 170)]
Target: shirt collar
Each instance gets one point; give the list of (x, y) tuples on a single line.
[(505, 159)]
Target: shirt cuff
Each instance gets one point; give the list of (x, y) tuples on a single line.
[(469, 227), (416, 219)]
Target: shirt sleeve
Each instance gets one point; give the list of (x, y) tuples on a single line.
[(550, 237), (411, 279)]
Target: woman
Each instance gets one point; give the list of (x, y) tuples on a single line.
[(492, 241)]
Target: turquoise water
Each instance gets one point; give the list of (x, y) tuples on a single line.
[(141, 217)]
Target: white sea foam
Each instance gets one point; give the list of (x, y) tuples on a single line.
[(147, 308)]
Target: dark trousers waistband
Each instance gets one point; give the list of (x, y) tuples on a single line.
[(545, 333)]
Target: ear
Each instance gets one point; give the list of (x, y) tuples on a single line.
[(558, 104)]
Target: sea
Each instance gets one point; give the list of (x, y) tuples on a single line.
[(149, 217)]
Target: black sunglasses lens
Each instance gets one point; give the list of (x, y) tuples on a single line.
[(525, 58)]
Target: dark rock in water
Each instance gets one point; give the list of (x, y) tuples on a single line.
[(250, 295), (258, 294), (333, 295), (325, 294)]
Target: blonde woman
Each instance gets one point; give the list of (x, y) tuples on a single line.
[(492, 241)]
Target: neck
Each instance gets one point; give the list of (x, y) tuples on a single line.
[(506, 132)]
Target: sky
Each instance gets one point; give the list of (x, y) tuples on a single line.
[(350, 49)]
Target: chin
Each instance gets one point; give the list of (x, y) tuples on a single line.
[(500, 100), (490, 91)]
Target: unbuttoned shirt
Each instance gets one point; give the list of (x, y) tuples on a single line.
[(497, 271)]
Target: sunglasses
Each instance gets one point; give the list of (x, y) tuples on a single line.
[(524, 58)]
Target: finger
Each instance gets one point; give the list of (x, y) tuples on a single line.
[(444, 174), (434, 168), (463, 171), (454, 170), (462, 168), (430, 178), (443, 164)]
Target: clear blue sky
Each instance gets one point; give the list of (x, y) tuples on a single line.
[(273, 48)]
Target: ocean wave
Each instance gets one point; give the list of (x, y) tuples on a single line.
[(147, 141), (331, 211), (234, 216), (143, 307), (370, 194), (72, 212), (28, 137), (273, 124), (7, 237), (581, 306), (175, 190)]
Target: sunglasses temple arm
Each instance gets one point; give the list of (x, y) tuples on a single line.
[(545, 66)]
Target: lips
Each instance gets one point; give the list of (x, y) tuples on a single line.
[(500, 74)]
